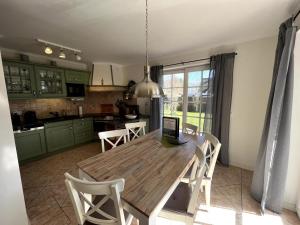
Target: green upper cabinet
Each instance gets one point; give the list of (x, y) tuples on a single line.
[(77, 77), (20, 80), (25, 80), (50, 82)]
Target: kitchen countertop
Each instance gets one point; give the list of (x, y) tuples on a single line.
[(98, 117), (95, 116)]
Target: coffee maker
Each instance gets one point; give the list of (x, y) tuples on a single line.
[(125, 109)]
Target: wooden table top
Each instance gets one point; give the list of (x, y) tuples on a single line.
[(149, 166)]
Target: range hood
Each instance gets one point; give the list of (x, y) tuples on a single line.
[(107, 78)]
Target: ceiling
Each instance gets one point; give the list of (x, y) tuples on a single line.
[(113, 30)]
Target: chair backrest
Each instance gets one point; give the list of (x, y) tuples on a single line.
[(211, 151), (135, 130), (196, 186), (189, 128), (82, 192), (106, 135)]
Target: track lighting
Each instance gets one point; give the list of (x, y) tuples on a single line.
[(64, 50), (78, 57), (62, 55), (48, 50)]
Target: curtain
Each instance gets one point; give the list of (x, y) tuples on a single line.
[(220, 89), (269, 177), (156, 73)]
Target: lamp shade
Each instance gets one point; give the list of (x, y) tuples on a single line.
[(147, 88)]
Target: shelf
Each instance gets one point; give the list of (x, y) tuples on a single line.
[(106, 88)]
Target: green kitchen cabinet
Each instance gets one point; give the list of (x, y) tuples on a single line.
[(20, 80), (83, 130), (30, 144), (50, 82), (59, 135), (77, 77)]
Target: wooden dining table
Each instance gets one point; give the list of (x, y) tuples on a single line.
[(151, 167)]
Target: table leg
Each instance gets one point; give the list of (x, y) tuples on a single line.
[(141, 217)]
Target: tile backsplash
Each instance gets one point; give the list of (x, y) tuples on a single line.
[(90, 104)]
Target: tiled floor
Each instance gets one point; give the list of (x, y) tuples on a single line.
[(47, 201)]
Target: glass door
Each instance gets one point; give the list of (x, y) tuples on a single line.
[(187, 94), (50, 82), (197, 96), (19, 78), (173, 87)]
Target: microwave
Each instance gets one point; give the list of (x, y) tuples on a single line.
[(75, 90)]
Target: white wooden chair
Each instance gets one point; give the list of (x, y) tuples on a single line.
[(107, 135), (210, 148), (105, 208), (135, 130), (183, 203), (189, 128)]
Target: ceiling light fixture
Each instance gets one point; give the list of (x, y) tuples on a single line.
[(50, 45), (78, 57), (62, 55), (48, 50), (147, 88)]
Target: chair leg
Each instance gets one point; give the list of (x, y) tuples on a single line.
[(207, 193)]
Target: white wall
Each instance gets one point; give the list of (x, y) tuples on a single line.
[(12, 205), (292, 190), (251, 85)]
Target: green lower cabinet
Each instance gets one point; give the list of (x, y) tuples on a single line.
[(59, 135), (83, 130), (30, 144)]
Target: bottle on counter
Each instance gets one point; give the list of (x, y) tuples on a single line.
[(80, 110)]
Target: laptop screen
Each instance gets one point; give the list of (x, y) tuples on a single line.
[(171, 126)]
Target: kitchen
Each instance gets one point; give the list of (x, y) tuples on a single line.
[(49, 119)]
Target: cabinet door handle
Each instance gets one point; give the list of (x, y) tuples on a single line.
[(34, 93), (71, 128)]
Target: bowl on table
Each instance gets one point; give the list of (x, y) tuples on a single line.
[(130, 116)]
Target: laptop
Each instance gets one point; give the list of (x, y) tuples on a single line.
[(171, 131)]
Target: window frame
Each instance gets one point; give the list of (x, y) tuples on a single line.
[(185, 101)]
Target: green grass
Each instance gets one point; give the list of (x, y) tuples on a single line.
[(192, 118)]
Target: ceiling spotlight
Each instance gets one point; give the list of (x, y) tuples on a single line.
[(48, 50), (78, 57), (62, 55)]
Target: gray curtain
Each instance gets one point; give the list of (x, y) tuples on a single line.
[(221, 75), (269, 177), (156, 73)]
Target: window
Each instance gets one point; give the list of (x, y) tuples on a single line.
[(186, 95)]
